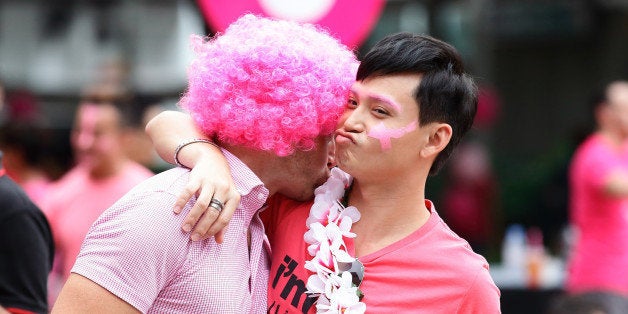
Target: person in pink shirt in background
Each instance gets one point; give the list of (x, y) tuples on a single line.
[(272, 92), (598, 181), (102, 174)]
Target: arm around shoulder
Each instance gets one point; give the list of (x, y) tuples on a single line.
[(172, 132)]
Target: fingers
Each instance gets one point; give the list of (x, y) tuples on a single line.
[(218, 226), (214, 221), (200, 210), (220, 235), (203, 220), (184, 197), (207, 182)]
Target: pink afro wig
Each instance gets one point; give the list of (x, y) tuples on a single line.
[(269, 84)]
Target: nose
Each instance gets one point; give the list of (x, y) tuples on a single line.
[(352, 120), (83, 140)]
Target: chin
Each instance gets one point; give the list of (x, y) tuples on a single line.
[(304, 197), (344, 165), (301, 196)]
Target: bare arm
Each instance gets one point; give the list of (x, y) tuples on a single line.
[(617, 184), (81, 295), (167, 130), (210, 175)]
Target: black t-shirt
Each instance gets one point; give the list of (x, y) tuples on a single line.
[(26, 250)]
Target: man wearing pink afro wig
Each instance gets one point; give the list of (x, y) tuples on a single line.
[(270, 92), (269, 85)]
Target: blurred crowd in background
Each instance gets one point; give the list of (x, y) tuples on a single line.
[(505, 190)]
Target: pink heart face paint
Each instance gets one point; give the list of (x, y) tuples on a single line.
[(385, 134)]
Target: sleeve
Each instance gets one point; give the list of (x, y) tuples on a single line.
[(26, 249), (135, 248), (482, 297)]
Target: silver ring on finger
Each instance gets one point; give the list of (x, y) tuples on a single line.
[(216, 204)]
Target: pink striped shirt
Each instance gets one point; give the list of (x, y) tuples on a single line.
[(137, 251)]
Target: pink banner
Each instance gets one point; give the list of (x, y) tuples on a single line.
[(349, 20)]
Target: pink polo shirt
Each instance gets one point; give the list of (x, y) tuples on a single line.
[(599, 259), (137, 251), (75, 201)]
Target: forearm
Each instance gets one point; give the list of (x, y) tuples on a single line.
[(169, 129), (617, 185)]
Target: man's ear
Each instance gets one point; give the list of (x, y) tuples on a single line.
[(440, 135)]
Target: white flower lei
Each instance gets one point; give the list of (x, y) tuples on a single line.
[(329, 222)]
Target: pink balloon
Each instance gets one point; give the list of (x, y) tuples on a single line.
[(349, 20)]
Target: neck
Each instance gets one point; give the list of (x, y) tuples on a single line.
[(30, 174), (390, 211), (615, 138), (263, 164), (107, 169)]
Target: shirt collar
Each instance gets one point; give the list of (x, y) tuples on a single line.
[(245, 180)]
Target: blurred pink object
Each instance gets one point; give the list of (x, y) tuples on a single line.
[(349, 20)]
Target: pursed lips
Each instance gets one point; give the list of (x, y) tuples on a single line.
[(346, 135)]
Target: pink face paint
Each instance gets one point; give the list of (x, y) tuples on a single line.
[(387, 100), (384, 134), (383, 98)]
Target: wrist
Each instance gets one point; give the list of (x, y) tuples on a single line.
[(190, 151)]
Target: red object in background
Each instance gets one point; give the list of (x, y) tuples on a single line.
[(488, 108), (349, 20), (23, 107)]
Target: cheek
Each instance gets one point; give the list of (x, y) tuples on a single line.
[(83, 139), (384, 134), (106, 143), (316, 166), (320, 163)]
